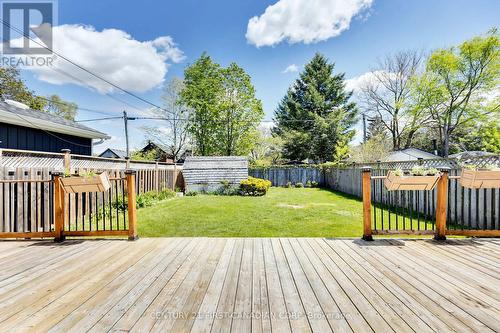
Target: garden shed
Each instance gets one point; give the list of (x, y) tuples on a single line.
[(208, 173)]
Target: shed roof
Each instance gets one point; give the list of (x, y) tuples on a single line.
[(215, 169), (11, 114), (409, 154)]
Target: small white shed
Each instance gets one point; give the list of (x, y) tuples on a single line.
[(208, 173)]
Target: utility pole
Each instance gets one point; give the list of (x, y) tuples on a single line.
[(125, 123), (364, 128)]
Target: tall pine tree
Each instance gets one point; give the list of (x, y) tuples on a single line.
[(315, 118)]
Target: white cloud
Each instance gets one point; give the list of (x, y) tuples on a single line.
[(113, 54), (307, 21), (358, 82), (291, 69)]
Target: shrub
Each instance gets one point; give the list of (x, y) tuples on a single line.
[(288, 185), (314, 184), (191, 194), (299, 185), (226, 189), (308, 184), (143, 200), (254, 186)]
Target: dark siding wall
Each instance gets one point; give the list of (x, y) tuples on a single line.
[(18, 137)]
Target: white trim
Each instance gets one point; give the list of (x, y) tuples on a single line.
[(11, 118)]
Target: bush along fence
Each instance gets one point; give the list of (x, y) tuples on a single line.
[(468, 209), (29, 196)]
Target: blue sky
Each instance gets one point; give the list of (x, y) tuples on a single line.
[(373, 29)]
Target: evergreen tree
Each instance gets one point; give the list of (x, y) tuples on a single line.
[(315, 117), (376, 128)]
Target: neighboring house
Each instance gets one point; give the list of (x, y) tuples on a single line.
[(207, 173), (409, 154), (467, 155), (27, 129), (114, 153), (161, 152)]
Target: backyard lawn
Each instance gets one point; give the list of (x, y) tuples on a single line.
[(283, 212)]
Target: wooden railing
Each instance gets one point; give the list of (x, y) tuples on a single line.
[(435, 212), (35, 208)]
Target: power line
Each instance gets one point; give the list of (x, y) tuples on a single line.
[(81, 67)]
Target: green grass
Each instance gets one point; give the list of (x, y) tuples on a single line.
[(304, 212)]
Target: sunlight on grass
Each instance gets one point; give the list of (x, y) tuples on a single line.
[(282, 212)]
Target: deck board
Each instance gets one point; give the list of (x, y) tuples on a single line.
[(250, 285)]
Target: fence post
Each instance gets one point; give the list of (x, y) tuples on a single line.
[(157, 178), (441, 205), (67, 160), (367, 211), (132, 211), (58, 208), (174, 178)]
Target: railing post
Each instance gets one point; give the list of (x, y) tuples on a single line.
[(441, 205), (367, 211), (132, 211), (67, 160), (58, 208)]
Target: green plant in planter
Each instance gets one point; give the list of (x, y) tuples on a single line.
[(399, 172), (418, 170), (432, 172)]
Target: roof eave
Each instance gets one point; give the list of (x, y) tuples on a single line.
[(27, 121)]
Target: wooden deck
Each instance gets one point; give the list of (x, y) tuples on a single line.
[(250, 285)]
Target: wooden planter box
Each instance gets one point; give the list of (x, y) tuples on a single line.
[(480, 178), (400, 183), (80, 184)]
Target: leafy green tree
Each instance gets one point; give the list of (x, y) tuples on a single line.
[(376, 148), (241, 112), (225, 112), (57, 106), (315, 117), (456, 83), (202, 92), (13, 87)]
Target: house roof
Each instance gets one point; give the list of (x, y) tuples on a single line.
[(214, 169), (118, 152), (409, 154), (470, 154), (11, 114)]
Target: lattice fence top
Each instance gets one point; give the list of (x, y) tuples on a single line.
[(451, 163), (55, 161)]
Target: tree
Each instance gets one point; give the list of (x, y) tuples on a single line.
[(315, 117), (376, 128), (226, 112), (456, 83), (241, 112), (388, 96), (174, 136), (267, 149), (203, 88), (374, 149), (13, 87), (58, 107)]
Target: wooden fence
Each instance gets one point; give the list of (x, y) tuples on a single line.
[(27, 204), (466, 209), (33, 207)]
